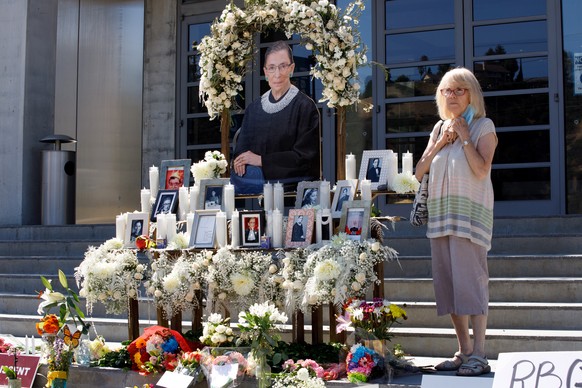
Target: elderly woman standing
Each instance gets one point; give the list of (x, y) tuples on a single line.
[(460, 205)]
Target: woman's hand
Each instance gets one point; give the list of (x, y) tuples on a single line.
[(460, 128), (245, 158)]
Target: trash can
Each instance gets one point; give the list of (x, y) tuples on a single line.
[(58, 182)]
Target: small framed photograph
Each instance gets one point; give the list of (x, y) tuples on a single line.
[(299, 228), (203, 232), (374, 167), (355, 220), (166, 203), (211, 195), (137, 225), (175, 174), (252, 227), (344, 191), (308, 195)]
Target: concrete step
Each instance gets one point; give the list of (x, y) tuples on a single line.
[(501, 245), (58, 232), (439, 342), (499, 266), (46, 247), (512, 316), (541, 290)]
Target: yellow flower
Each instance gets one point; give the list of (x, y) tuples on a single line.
[(397, 312)]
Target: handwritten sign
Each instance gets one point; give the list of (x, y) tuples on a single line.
[(25, 368), (539, 370)]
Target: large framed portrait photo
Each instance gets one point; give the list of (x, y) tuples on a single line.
[(300, 224), (175, 174), (211, 195), (355, 220), (374, 167), (252, 227), (308, 195), (203, 233), (344, 191), (166, 203), (137, 225)]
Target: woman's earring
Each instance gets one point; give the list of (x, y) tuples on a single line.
[(267, 78), (290, 75)]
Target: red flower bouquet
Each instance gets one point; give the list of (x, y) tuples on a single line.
[(157, 350)]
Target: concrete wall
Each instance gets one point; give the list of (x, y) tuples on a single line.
[(27, 50), (159, 84)]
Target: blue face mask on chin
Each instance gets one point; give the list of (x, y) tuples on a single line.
[(468, 114)]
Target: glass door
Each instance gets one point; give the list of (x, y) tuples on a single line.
[(506, 45)]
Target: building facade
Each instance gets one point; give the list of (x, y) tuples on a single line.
[(121, 77)]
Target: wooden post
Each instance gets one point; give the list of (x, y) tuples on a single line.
[(298, 328), (133, 319), (160, 315), (197, 314), (224, 135), (317, 325), (176, 322), (379, 288), (340, 143)]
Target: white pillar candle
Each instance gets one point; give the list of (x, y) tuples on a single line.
[(277, 229), (268, 196), (228, 199), (221, 229), (407, 163), (392, 168), (235, 229), (26, 345), (120, 226), (194, 191), (189, 223), (145, 197), (183, 202), (269, 231), (33, 346), (170, 221), (161, 231), (366, 189), (279, 197), (318, 230), (351, 166), (154, 181), (324, 191)]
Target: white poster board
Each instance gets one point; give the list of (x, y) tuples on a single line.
[(539, 370), (175, 380), (577, 73)]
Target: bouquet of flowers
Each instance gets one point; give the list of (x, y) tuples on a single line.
[(223, 369), (240, 277), (213, 166), (361, 362), (338, 271), (110, 275), (299, 377), (157, 350), (257, 326), (190, 364), (217, 331), (374, 318), (405, 183), (174, 282), (10, 372)]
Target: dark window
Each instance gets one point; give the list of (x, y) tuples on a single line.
[(519, 184), (418, 13), (510, 38), (502, 9), (518, 110), (420, 46), (512, 74), (414, 81)]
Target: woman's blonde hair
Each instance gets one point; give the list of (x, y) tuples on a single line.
[(461, 78)]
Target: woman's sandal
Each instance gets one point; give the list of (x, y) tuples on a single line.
[(452, 364), (475, 366)]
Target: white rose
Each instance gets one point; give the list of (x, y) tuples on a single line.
[(363, 256), (222, 296), (273, 269), (312, 299), (376, 246), (356, 286), (132, 293), (158, 293), (117, 294), (361, 277)]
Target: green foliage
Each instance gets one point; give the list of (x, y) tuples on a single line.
[(116, 359), (321, 353)]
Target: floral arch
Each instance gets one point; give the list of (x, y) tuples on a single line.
[(331, 34)]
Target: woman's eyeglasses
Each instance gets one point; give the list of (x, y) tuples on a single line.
[(282, 68), (449, 92)]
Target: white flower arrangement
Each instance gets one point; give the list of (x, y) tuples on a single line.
[(330, 34), (299, 379), (404, 183), (240, 278), (175, 281), (333, 273), (213, 166), (216, 331), (110, 275)]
